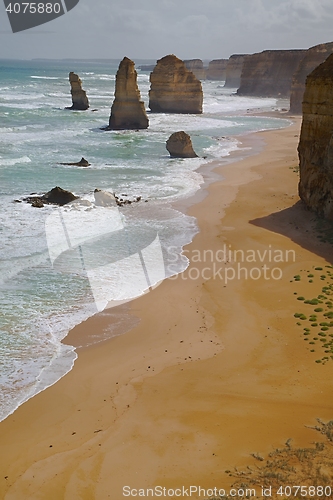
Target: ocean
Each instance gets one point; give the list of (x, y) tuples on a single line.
[(60, 266)]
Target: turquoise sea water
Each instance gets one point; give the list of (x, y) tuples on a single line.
[(46, 291)]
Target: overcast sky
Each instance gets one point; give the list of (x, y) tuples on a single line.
[(206, 29)]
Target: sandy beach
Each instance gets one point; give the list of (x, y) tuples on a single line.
[(216, 369)]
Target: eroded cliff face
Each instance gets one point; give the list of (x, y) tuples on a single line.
[(174, 89), (197, 68), (234, 70), (315, 148), (269, 73), (217, 69), (128, 111), (79, 97), (312, 58)]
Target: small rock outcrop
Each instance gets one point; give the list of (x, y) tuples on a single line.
[(57, 196), (313, 57), (315, 148), (174, 89), (234, 70), (269, 73), (179, 145), (217, 69), (197, 68), (79, 97), (127, 111), (82, 163)]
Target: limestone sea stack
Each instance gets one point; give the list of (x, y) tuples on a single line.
[(313, 57), (269, 73), (127, 111), (174, 89), (179, 145), (79, 97), (234, 70), (217, 69), (315, 148), (197, 68)]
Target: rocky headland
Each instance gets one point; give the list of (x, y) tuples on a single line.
[(174, 89), (127, 111), (217, 69), (179, 145), (197, 68), (79, 97), (269, 73), (312, 58), (315, 148), (234, 70)]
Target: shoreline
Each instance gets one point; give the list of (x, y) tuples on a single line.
[(210, 375)]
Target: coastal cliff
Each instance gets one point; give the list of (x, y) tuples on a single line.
[(315, 148), (79, 97), (217, 69), (127, 112), (269, 73), (174, 89), (234, 70), (313, 57), (197, 68)]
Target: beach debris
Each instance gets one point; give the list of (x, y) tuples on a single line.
[(127, 111), (82, 163), (179, 145), (174, 88), (79, 97)]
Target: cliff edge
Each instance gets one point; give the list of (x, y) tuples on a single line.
[(269, 73), (315, 148), (313, 57)]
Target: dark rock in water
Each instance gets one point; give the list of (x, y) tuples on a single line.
[(57, 196), (179, 145), (82, 163), (79, 97), (37, 203)]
